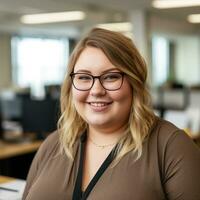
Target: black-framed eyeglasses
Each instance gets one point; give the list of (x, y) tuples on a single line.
[(110, 81)]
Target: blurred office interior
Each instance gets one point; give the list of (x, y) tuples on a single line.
[(34, 56)]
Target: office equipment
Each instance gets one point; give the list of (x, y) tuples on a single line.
[(176, 99), (39, 116), (10, 106), (3, 188), (12, 189)]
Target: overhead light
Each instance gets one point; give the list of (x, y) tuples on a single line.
[(175, 3), (121, 27), (194, 18), (52, 17)]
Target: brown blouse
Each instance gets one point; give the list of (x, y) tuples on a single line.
[(169, 168)]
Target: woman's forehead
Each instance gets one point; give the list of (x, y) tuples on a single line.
[(93, 60)]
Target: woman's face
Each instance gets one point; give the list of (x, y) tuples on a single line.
[(101, 108)]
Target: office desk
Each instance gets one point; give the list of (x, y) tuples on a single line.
[(8, 150), (5, 179), (11, 188), (15, 159)]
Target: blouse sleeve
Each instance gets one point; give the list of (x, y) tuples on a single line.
[(181, 168), (40, 158)]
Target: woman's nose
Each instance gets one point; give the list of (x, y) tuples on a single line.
[(97, 88)]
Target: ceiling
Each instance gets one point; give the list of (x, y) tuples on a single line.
[(97, 11)]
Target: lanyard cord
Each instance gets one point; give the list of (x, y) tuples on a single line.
[(77, 193)]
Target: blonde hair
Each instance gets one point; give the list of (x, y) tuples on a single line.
[(121, 52)]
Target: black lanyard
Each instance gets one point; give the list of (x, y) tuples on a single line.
[(77, 194)]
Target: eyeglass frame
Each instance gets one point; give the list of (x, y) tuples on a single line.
[(97, 77)]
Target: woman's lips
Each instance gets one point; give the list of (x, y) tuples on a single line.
[(99, 106)]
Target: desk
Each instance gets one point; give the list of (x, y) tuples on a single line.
[(11, 188), (15, 159), (5, 179), (8, 150)]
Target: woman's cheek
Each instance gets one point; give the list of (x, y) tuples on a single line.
[(79, 96)]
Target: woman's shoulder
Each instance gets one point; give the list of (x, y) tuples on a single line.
[(167, 136), (51, 140), (165, 130), (165, 126), (179, 159), (49, 147)]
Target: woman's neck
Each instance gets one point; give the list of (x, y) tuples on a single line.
[(106, 136)]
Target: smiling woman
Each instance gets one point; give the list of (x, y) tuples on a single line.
[(109, 144), (105, 98)]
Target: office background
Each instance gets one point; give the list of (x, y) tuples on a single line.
[(34, 56)]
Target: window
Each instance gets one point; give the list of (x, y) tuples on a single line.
[(160, 60), (38, 61)]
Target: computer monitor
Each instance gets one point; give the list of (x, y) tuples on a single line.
[(175, 98), (39, 116), (11, 109)]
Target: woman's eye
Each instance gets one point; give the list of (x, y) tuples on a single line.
[(83, 77), (111, 77)]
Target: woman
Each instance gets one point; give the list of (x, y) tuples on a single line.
[(109, 144)]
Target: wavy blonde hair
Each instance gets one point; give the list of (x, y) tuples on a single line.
[(121, 52)]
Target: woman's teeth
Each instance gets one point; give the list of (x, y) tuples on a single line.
[(98, 104)]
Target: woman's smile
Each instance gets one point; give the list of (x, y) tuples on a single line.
[(99, 106)]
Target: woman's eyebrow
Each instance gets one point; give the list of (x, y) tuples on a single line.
[(89, 72), (83, 71), (111, 69)]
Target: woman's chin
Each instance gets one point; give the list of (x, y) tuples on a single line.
[(98, 123)]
